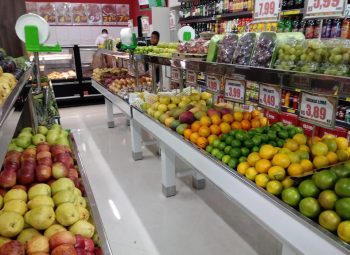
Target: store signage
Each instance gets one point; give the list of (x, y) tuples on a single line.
[(266, 10), (318, 110), (270, 96), (324, 8), (191, 77), (347, 11), (145, 24), (235, 90), (175, 74), (172, 20), (213, 83)]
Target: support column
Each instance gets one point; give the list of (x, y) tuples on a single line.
[(168, 171), (109, 108), (136, 140)]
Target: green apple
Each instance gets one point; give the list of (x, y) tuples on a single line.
[(15, 194), (64, 133), (67, 214), (82, 227), (27, 234), (38, 138), (4, 240), (80, 201), (51, 138), (23, 141), (11, 224), (18, 206), (42, 130), (40, 201), (27, 130), (53, 229), (40, 189), (56, 127), (77, 192), (64, 196), (40, 217), (83, 212), (62, 184), (12, 147), (62, 141)]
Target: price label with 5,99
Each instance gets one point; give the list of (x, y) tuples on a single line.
[(317, 109), (191, 77), (324, 8), (235, 90), (266, 10), (175, 74), (270, 96), (213, 83)]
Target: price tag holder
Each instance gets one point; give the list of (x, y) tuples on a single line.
[(270, 96), (213, 83), (266, 10), (318, 110), (175, 74), (324, 8), (235, 90), (191, 78)]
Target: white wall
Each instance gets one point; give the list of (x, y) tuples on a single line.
[(83, 35), (173, 3)]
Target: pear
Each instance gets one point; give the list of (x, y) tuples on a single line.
[(27, 234), (40, 217), (80, 201), (40, 201), (64, 196), (77, 192), (83, 212), (40, 189), (53, 229), (18, 206), (11, 224), (82, 227), (62, 184), (15, 194), (67, 214)]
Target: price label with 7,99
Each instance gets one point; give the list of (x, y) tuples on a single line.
[(213, 83), (235, 90), (175, 74), (324, 8), (266, 10), (270, 96), (191, 77), (318, 109)]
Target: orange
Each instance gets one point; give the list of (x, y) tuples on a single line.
[(238, 116), (215, 129), (251, 173), (256, 114), (313, 140), (205, 121), (253, 158), (187, 133), (225, 127), (236, 125), (295, 169), (276, 173), (320, 161), (204, 131), (332, 157), (281, 160), (228, 118), (211, 138), (255, 123), (342, 143), (301, 139), (287, 182), (306, 165), (262, 166), (245, 124), (267, 151), (263, 122), (194, 136), (195, 126), (247, 116), (319, 149), (215, 119), (304, 148), (242, 167), (291, 144), (202, 142), (261, 180)]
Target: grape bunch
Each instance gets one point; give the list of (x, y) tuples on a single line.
[(244, 49), (264, 50), (227, 47), (288, 54)]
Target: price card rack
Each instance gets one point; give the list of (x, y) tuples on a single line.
[(270, 96), (175, 74), (266, 10), (235, 90), (191, 78), (214, 83), (324, 8), (318, 109)]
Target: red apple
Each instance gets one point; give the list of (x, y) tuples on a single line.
[(80, 251), (25, 157), (59, 170), (60, 238), (64, 249), (89, 244), (72, 172), (42, 173), (45, 161), (7, 178), (11, 165), (25, 175), (12, 248), (29, 151), (39, 253), (13, 155), (58, 148), (42, 147), (2, 192), (64, 158), (43, 154), (22, 187), (98, 251), (29, 162), (80, 242)]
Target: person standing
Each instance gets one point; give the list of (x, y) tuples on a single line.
[(102, 37), (155, 38)]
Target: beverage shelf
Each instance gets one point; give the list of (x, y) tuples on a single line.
[(233, 15)]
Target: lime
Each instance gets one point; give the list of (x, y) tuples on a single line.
[(249, 144), (271, 135), (222, 146), (225, 159), (291, 132), (233, 163), (282, 134), (329, 219), (216, 143), (273, 143), (342, 187), (307, 188), (325, 179), (219, 155), (235, 152), (264, 139), (309, 207), (232, 133), (215, 151), (291, 196), (223, 137), (342, 207), (240, 135), (242, 159), (236, 143), (279, 143), (256, 140), (259, 130), (341, 170), (255, 149), (209, 148), (245, 151), (227, 149), (228, 139), (327, 199), (251, 133)]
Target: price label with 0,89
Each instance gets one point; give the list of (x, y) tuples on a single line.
[(269, 96), (191, 77), (235, 90), (266, 10), (213, 83), (318, 109), (324, 8), (175, 74)]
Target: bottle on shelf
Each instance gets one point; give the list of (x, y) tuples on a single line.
[(284, 5), (290, 4), (336, 28), (317, 28), (345, 29), (310, 29), (296, 25), (288, 26)]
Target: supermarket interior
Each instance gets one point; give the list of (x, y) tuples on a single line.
[(161, 127)]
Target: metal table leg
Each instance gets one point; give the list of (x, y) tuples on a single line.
[(109, 107), (168, 171), (136, 140), (198, 181)]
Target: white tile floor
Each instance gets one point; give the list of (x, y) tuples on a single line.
[(138, 219)]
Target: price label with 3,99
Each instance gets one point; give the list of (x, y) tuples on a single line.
[(235, 90), (318, 109), (213, 83), (191, 77), (266, 10), (175, 74), (324, 8), (270, 96)]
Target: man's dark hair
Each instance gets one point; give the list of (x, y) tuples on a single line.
[(156, 33), (104, 31)]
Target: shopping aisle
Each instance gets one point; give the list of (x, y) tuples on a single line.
[(138, 219)]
